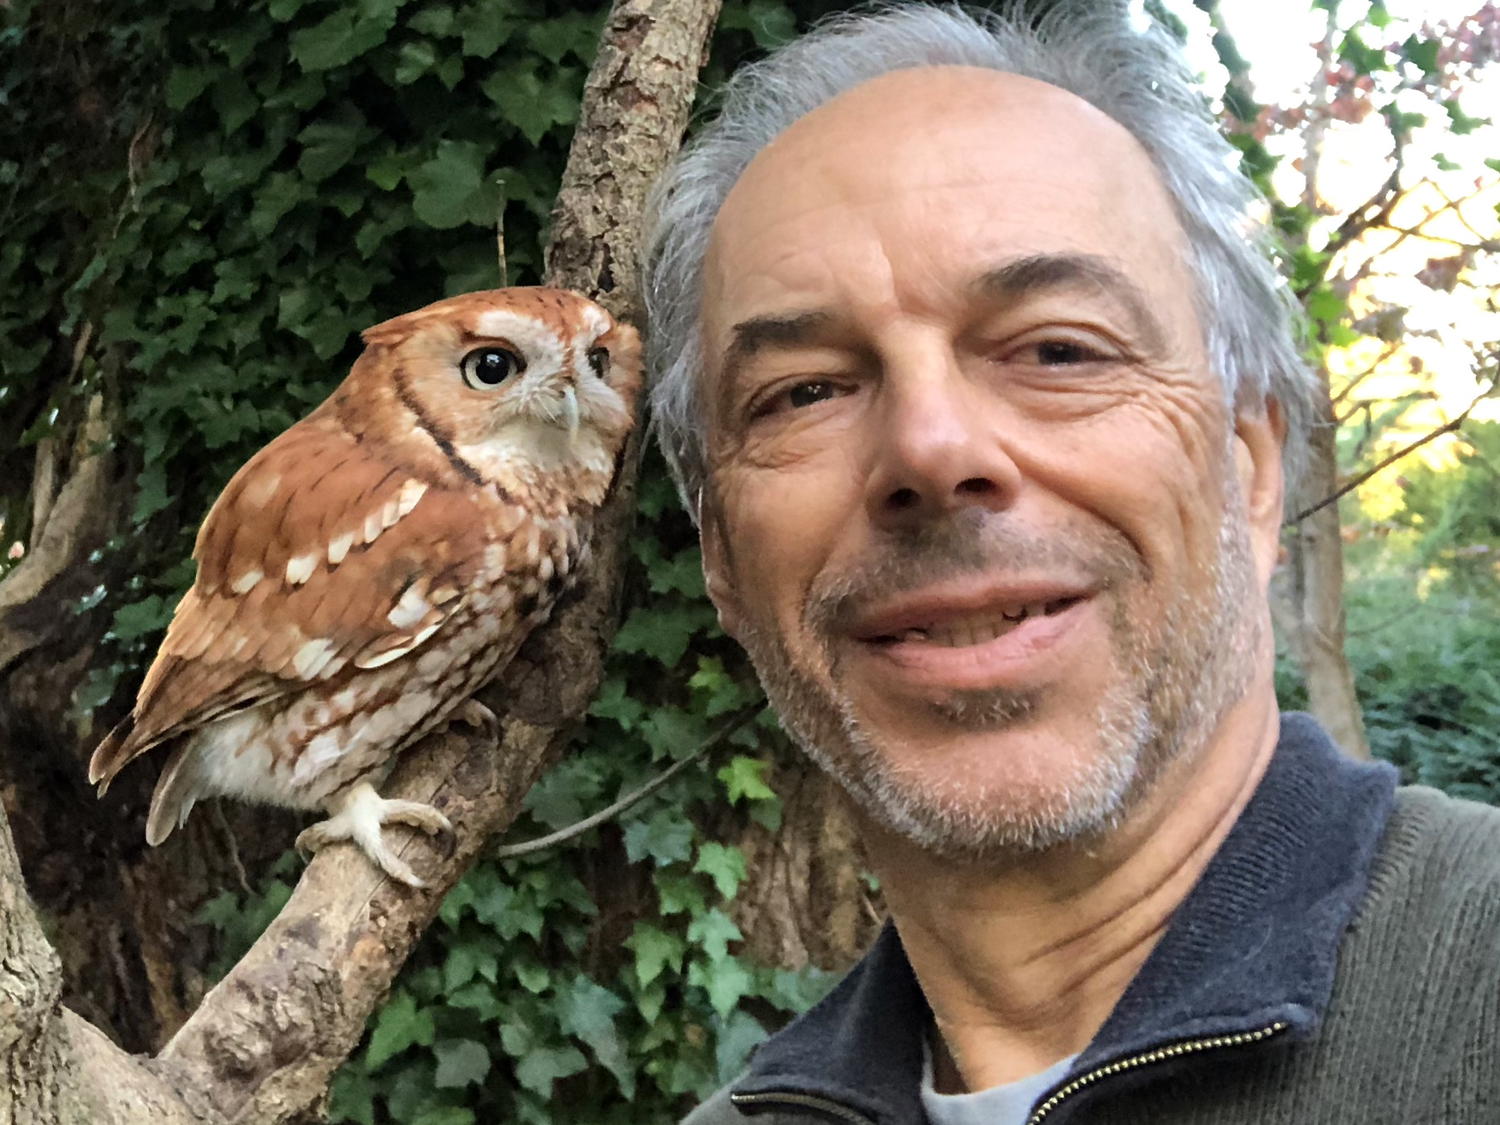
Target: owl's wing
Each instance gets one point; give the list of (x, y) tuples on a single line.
[(318, 555)]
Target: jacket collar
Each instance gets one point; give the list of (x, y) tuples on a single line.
[(1252, 946)]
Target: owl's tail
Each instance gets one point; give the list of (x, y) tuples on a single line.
[(112, 753), (177, 790)]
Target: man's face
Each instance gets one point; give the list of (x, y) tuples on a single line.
[(976, 506)]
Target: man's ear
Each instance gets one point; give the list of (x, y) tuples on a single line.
[(1260, 437), (718, 575)]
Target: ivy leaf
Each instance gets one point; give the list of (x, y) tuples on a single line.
[(234, 101), (674, 732), (142, 618), (545, 1065), (280, 192), (724, 864), (615, 702), (398, 1026), (588, 1011), (666, 837), (737, 1036), (414, 60), (745, 779), (486, 27), (713, 932), (444, 188), (530, 104), (479, 997), (662, 633), (435, 20), (678, 893), (327, 146), (184, 84), (654, 950), (151, 492), (726, 981), (463, 961), (338, 39), (531, 975), (460, 1062), (576, 32)]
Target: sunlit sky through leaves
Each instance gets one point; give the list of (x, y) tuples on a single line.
[(1278, 39)]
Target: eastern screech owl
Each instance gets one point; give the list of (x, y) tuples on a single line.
[(378, 562)]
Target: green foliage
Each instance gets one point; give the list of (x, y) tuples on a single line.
[(225, 194), (240, 189)]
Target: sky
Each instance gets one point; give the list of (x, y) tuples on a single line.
[(1277, 38)]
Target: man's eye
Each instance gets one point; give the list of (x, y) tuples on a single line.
[(1056, 353), (805, 394)]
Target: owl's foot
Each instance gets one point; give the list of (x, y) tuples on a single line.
[(361, 820), (477, 716)]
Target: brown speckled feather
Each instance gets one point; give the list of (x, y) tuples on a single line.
[(229, 645)]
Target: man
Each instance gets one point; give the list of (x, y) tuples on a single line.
[(977, 376)]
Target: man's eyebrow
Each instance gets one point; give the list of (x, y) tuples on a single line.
[(1039, 273), (758, 333)]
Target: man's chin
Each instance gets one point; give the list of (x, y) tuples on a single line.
[(993, 786)]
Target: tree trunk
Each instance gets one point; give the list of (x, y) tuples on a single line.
[(262, 1045), (1313, 613), (806, 901)]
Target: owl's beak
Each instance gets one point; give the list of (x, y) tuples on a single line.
[(570, 412)]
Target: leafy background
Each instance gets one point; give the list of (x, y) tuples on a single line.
[(254, 183)]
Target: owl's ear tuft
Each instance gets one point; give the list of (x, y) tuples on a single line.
[(388, 332)]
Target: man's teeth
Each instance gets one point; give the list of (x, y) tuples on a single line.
[(980, 628)]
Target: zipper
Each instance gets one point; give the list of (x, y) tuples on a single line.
[(1160, 1054), (841, 1112), (835, 1110)]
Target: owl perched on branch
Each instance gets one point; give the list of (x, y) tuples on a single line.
[(381, 560)]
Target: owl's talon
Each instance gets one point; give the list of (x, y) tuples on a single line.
[(361, 821), (476, 716)]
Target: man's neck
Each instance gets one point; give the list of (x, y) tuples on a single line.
[(1023, 962)]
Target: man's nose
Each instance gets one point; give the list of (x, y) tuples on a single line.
[(939, 445)]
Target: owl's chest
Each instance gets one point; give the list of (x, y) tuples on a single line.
[(523, 569)]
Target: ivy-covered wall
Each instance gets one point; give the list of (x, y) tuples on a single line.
[(219, 197)]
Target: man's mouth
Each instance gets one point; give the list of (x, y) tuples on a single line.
[(974, 628)]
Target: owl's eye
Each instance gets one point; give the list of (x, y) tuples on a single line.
[(484, 369), (599, 361)]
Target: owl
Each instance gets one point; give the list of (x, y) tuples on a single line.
[(363, 574)]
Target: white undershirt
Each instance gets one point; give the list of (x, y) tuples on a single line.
[(1009, 1104)]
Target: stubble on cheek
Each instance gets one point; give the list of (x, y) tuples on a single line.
[(1171, 670)]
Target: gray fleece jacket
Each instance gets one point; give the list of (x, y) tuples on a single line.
[(1338, 963)]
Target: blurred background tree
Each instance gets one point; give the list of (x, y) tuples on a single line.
[(205, 202)]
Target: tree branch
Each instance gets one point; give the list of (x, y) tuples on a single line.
[(1386, 462), (264, 1043)]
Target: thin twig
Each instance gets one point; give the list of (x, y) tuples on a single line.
[(1356, 380), (541, 843), (1349, 486)]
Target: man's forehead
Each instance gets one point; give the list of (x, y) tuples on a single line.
[(1041, 158), (925, 120)]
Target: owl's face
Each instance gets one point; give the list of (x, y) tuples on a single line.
[(539, 376)]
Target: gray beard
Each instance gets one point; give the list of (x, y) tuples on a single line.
[(1175, 677)]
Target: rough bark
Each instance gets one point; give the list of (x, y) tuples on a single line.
[(1312, 614), (806, 901), (263, 1044)]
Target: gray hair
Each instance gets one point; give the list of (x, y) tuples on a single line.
[(1251, 322)]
